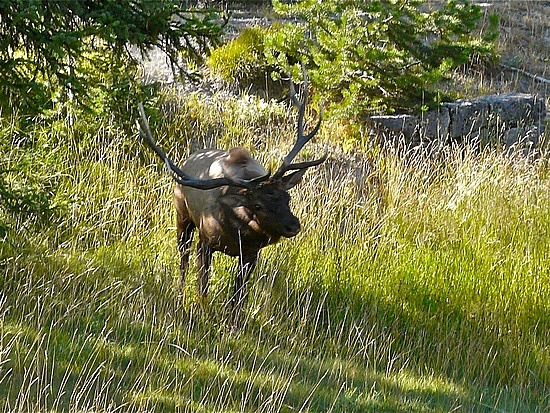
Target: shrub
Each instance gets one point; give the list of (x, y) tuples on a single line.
[(44, 43), (242, 59), (378, 56)]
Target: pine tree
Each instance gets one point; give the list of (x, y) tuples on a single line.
[(378, 55)]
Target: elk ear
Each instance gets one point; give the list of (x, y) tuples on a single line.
[(293, 179)]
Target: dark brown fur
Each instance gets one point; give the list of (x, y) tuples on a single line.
[(236, 221), (234, 204)]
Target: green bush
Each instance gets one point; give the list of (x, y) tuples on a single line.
[(25, 192), (241, 59), (44, 43), (378, 56)]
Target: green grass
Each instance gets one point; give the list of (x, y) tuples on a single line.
[(416, 285)]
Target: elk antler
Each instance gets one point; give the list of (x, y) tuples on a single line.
[(302, 139), (181, 177)]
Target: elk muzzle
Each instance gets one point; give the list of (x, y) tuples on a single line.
[(290, 227)]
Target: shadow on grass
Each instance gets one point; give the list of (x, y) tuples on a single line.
[(439, 355), (105, 333)]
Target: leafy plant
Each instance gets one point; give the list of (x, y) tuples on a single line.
[(242, 62), (45, 43), (23, 196), (383, 55), (241, 59)]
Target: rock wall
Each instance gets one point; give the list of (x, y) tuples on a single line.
[(511, 120)]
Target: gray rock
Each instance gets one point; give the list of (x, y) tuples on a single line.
[(435, 124), (512, 120), (516, 109), (467, 117), (396, 125)]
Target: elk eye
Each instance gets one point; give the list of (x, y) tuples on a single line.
[(257, 207)]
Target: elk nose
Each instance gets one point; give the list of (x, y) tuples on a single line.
[(291, 228)]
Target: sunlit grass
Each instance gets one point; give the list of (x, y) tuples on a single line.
[(415, 285)]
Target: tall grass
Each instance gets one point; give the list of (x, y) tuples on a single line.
[(415, 285)]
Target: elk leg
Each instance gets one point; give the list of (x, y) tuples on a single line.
[(204, 259), (185, 230), (240, 294)]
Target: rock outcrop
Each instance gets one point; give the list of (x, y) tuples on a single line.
[(511, 120)]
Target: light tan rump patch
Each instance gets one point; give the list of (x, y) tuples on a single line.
[(240, 164)]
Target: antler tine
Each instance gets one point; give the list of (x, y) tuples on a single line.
[(145, 133), (301, 139), (176, 173), (300, 105), (307, 164), (181, 177)]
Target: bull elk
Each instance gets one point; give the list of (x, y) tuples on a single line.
[(236, 205)]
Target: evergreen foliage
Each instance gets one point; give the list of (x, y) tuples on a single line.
[(381, 55), (47, 44), (241, 59), (70, 58)]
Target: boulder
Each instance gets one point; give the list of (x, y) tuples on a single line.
[(509, 120)]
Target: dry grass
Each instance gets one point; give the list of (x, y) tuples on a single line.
[(524, 43), (415, 285)]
